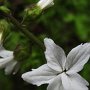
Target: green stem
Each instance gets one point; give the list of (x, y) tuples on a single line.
[(24, 30)]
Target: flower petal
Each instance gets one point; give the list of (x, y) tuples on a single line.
[(4, 61), (5, 53), (79, 78), (16, 68), (39, 76), (55, 55), (66, 82), (72, 82), (77, 58), (9, 67), (55, 84)]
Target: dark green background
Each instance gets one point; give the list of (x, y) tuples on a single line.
[(67, 23)]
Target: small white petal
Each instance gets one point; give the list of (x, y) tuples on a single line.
[(79, 65), (55, 55), (66, 82), (71, 56), (39, 76), (16, 68), (55, 84), (5, 53), (80, 79), (9, 67), (4, 61), (77, 58), (7, 60), (73, 82)]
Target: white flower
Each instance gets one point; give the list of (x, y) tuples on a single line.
[(45, 3), (61, 72), (7, 60)]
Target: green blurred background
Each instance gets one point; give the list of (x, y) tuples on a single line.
[(67, 23)]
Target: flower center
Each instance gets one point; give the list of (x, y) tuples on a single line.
[(64, 71)]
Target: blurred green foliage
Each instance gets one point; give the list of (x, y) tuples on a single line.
[(67, 23)]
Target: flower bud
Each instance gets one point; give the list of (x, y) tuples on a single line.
[(45, 3), (35, 10)]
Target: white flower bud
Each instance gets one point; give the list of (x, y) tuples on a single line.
[(45, 3)]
